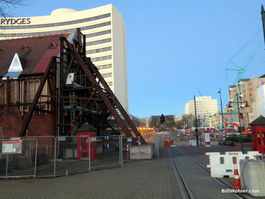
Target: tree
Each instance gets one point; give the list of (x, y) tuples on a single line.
[(188, 121), (6, 5)]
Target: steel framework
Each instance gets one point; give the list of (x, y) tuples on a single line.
[(79, 94)]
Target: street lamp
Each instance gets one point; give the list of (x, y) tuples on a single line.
[(239, 103), (196, 123)]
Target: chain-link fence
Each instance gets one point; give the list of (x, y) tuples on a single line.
[(18, 157), (107, 151), (48, 156), (83, 153), (68, 162)]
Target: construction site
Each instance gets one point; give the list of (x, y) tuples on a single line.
[(64, 113)]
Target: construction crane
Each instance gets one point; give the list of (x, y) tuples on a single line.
[(199, 92), (242, 68)]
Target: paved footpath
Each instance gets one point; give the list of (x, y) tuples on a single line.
[(144, 179), (140, 179)]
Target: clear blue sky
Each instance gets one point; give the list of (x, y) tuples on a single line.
[(177, 47)]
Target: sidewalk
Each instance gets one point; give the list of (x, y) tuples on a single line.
[(141, 179)]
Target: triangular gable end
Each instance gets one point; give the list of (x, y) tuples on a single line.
[(15, 65)]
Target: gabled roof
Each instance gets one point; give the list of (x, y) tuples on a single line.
[(34, 52), (86, 127), (259, 121)]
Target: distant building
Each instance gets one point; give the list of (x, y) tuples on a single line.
[(138, 122), (261, 100), (145, 121), (251, 93), (214, 121), (169, 121), (205, 107)]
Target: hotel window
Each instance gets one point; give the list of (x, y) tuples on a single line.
[(110, 83), (104, 66), (107, 75), (102, 41), (36, 33), (101, 58), (96, 26), (98, 33), (98, 50)]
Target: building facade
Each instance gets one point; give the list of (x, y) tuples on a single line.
[(205, 107), (261, 99), (105, 38), (250, 100)]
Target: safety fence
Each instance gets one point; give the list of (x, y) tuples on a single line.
[(49, 156)]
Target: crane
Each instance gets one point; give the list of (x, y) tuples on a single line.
[(199, 91), (241, 68)]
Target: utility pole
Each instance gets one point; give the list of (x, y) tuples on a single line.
[(263, 20), (222, 114), (196, 123)]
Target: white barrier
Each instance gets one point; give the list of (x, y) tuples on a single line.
[(222, 165), (192, 143)]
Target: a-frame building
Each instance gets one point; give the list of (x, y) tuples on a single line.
[(72, 87)]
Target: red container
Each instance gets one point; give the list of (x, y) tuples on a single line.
[(258, 134)]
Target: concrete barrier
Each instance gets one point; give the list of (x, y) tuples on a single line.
[(145, 151), (222, 165), (252, 174)]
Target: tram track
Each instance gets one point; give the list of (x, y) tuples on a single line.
[(184, 184), (185, 191)]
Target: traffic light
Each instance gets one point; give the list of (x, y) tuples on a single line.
[(162, 119)]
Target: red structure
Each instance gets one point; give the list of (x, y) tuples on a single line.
[(258, 134), (83, 148)]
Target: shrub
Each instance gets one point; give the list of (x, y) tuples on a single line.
[(235, 138)]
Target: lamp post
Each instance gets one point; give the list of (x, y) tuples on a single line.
[(196, 123), (239, 123)]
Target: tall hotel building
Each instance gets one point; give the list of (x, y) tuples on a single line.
[(105, 38), (204, 105)]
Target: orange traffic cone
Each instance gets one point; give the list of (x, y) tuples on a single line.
[(237, 185)]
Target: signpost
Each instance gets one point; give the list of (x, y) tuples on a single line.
[(12, 147), (207, 139)]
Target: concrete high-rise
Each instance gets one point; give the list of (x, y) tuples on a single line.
[(205, 107), (105, 38)]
